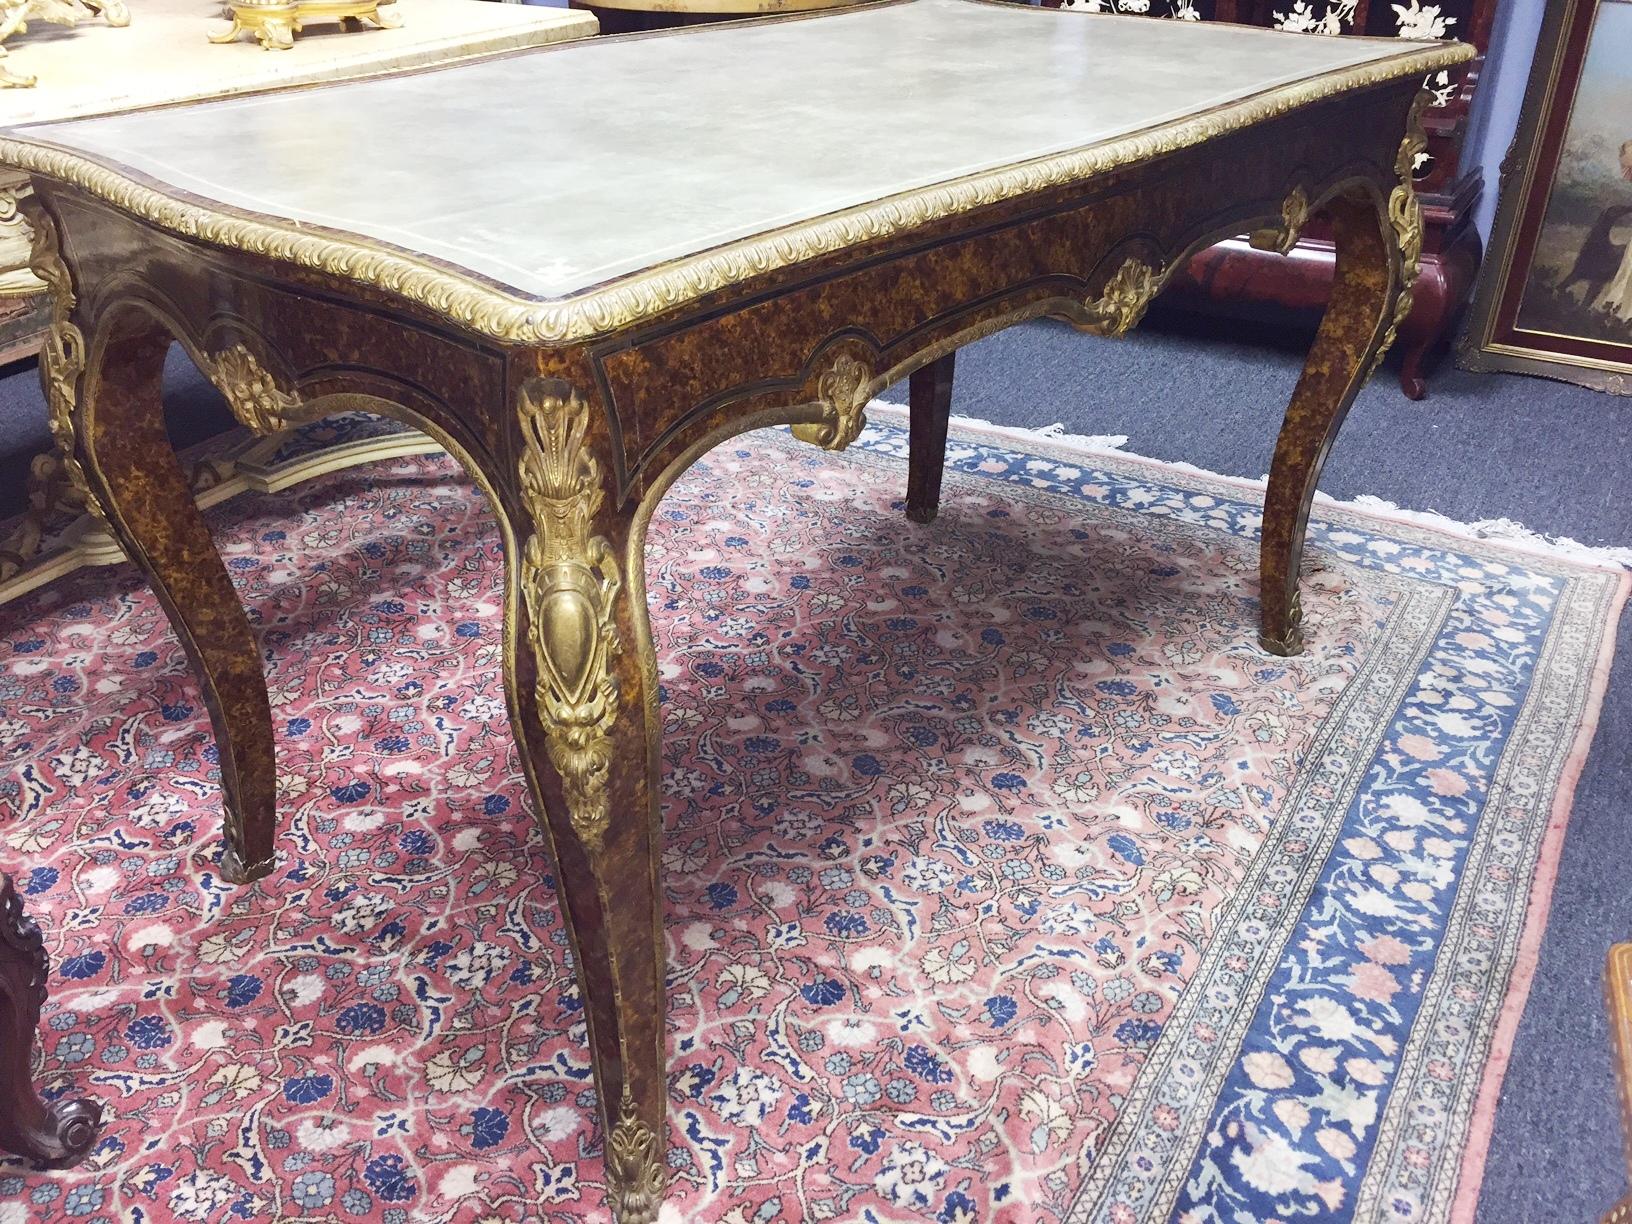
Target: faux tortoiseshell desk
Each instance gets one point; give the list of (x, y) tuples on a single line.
[(582, 267)]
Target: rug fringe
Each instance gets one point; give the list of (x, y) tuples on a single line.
[(1499, 530)]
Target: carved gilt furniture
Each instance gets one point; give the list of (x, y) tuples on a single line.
[(580, 347), (164, 58), (274, 23)]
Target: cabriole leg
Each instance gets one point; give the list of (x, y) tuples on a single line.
[(1346, 349), (931, 406), (55, 1135), (580, 683), (133, 473)]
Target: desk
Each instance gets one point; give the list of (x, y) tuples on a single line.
[(721, 229)]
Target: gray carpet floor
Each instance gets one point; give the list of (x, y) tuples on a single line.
[(1546, 454)]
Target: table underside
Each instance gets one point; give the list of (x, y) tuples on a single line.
[(575, 443)]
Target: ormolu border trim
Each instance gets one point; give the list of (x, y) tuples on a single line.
[(493, 312)]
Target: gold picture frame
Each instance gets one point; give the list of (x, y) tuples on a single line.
[(1556, 296)]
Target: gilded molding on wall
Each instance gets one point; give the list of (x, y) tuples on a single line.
[(251, 392), (637, 1165), (1405, 218), (570, 580), (1124, 300), (510, 317), (1283, 237), (843, 392)]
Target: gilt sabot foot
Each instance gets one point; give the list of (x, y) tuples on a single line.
[(635, 1170)]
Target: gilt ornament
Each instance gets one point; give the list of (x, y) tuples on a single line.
[(1283, 236), (570, 580), (842, 391), (251, 392), (1124, 299), (62, 360), (636, 1167)]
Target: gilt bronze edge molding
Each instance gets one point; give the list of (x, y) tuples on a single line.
[(504, 316)]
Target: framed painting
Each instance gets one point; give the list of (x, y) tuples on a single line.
[(1556, 297)]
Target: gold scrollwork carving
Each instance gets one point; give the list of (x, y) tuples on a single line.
[(636, 1167), (251, 392), (62, 359), (1282, 237), (1405, 219), (843, 391), (1124, 300), (570, 579)]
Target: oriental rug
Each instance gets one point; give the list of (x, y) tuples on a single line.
[(1007, 880)]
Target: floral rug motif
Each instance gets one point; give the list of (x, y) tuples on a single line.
[(1006, 879)]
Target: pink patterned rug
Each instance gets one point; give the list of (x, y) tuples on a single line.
[(1007, 880)]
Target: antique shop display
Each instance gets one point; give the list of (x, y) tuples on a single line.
[(274, 23), (1557, 298), (16, 14), (1237, 275), (579, 349)]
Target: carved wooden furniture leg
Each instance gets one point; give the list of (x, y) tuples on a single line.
[(56, 1135), (133, 473), (931, 405), (1345, 350), (1371, 294), (585, 686)]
